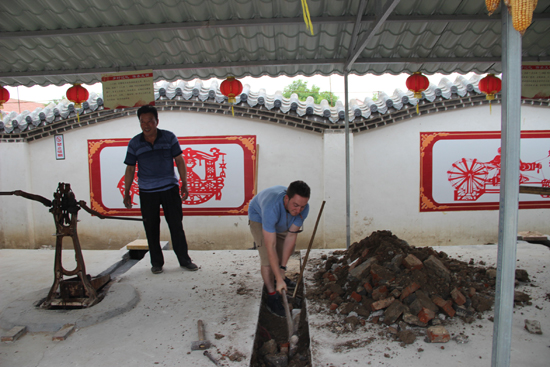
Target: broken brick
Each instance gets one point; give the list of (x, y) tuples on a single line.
[(438, 268), (425, 301), (380, 293), (393, 312), (445, 306), (415, 307), (426, 315), (364, 267), (333, 296), (368, 287), (413, 320), (333, 306), (412, 262), (335, 288), (395, 293), (346, 308), (410, 289), (438, 334), (458, 297), (383, 303), (380, 273), (356, 296)]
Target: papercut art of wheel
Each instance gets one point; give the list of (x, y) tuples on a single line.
[(468, 177), (545, 183)]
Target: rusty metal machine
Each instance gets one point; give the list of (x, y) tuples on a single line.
[(81, 291)]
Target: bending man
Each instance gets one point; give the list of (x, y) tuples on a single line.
[(275, 216)]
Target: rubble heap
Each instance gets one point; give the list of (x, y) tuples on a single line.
[(384, 279)]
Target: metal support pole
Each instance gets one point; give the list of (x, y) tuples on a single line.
[(348, 180), (509, 192)]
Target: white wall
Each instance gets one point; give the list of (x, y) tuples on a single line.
[(16, 219), (285, 155), (385, 172), (387, 180)]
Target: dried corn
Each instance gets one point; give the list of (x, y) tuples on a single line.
[(522, 14), (492, 5)]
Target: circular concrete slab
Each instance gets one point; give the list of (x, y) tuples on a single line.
[(23, 311)]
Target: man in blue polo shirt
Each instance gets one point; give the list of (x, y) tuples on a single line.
[(155, 151), (275, 216)]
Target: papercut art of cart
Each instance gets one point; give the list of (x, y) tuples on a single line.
[(203, 184), (471, 178)]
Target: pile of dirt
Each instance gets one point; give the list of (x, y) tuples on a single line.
[(382, 279)]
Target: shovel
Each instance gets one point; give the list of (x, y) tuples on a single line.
[(292, 339)]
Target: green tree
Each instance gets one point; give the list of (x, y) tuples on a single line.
[(301, 89)]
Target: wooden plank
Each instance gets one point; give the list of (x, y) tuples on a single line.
[(137, 245), (14, 333), (64, 332), (142, 245)]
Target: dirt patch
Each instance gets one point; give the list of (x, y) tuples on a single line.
[(408, 290)]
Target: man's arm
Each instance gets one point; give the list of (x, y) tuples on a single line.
[(270, 242), (289, 245), (182, 170), (128, 180)]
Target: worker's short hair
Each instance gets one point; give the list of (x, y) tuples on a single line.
[(148, 109), (298, 187)]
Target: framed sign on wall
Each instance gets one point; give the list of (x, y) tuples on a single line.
[(221, 175), (461, 170)]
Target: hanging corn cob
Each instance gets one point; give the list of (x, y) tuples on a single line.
[(522, 14), (492, 5)]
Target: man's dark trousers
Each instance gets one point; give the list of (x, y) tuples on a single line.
[(170, 200)]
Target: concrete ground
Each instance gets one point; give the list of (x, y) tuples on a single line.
[(528, 350), (158, 331), (225, 293)]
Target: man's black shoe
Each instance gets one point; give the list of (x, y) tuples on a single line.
[(274, 305), (190, 266), (290, 283), (156, 269)]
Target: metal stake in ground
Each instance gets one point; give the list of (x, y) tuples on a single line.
[(308, 249), (202, 343), (211, 357)]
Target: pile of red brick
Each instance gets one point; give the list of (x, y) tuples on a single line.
[(383, 279)]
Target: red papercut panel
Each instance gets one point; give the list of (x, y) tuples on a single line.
[(461, 170), (221, 174)]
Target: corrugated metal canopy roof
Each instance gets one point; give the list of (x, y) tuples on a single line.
[(45, 42)]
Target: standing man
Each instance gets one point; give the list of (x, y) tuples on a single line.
[(155, 151), (275, 216)]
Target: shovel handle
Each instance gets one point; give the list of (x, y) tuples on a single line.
[(308, 249), (201, 330), (289, 323)]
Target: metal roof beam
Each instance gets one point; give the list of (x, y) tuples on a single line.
[(250, 23), (266, 63), (381, 18), (357, 25)]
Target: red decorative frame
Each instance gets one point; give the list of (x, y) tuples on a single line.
[(427, 142), (246, 142)]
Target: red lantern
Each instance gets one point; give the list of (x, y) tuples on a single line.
[(417, 83), (4, 96), (490, 85), (77, 94), (231, 88)]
